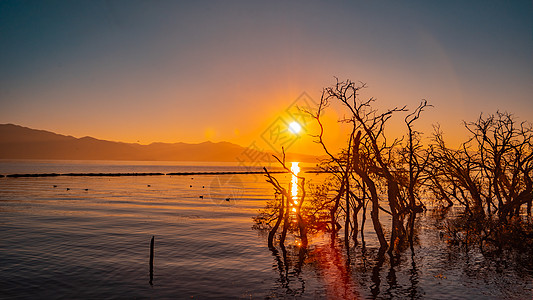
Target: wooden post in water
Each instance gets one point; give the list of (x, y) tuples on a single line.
[(152, 260)]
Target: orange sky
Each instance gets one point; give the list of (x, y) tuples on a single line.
[(176, 72)]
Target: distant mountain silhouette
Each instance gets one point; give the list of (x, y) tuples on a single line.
[(17, 142)]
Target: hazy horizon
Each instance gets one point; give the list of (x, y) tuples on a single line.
[(19, 142), (98, 138)]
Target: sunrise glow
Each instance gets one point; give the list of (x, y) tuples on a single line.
[(295, 127)]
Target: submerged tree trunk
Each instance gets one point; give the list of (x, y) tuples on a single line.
[(302, 225), (285, 223), (373, 193), (347, 218), (274, 229), (364, 204), (375, 213), (355, 231)]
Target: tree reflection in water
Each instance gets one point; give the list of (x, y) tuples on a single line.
[(436, 269), (344, 273), (290, 281)]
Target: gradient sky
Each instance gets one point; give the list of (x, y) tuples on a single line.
[(170, 71)]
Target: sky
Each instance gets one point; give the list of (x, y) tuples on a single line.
[(192, 71)]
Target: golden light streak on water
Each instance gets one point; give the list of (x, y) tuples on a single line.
[(294, 181), (294, 184)]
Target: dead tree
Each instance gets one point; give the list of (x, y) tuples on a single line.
[(367, 160), (490, 176), (506, 160), (417, 163), (368, 166), (284, 207), (373, 143)]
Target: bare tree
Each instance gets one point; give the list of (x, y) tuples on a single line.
[(370, 161), (489, 175), (283, 208), (506, 159), (417, 160)]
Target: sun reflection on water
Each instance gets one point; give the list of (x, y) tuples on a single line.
[(294, 181)]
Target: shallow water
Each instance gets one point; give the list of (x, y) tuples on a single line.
[(94, 243)]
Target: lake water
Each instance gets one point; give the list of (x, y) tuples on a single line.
[(89, 238)]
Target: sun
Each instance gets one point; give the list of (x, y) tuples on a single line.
[(295, 127)]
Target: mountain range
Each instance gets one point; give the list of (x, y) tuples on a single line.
[(18, 142)]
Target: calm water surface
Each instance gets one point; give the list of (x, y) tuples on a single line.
[(88, 237)]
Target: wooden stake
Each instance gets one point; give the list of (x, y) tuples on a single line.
[(151, 260)]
